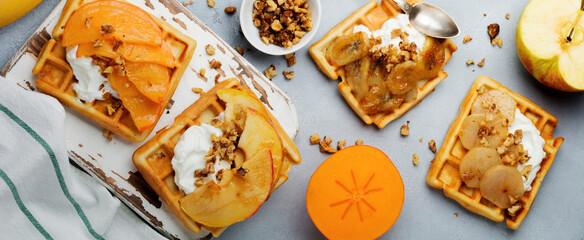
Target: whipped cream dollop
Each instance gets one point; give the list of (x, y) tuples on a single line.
[(189, 155), (400, 21), (532, 142), (88, 75)]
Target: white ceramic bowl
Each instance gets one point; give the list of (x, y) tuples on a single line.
[(253, 36)]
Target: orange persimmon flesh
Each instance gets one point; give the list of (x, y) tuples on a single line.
[(357, 193), (150, 79), (143, 111), (131, 24), (133, 52)]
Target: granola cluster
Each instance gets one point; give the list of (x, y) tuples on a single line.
[(282, 22)]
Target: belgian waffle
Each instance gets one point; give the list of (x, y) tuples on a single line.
[(56, 76), (372, 16), (444, 174), (153, 159)]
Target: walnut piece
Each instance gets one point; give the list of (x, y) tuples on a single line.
[(497, 41), (197, 90), (270, 72), (107, 28), (432, 145), (288, 74), (507, 16), (359, 142), (211, 3), (469, 62), (314, 139), (239, 50), (109, 135), (466, 39), (214, 64), (325, 145), (186, 3), (210, 50), (481, 63), (493, 30), (202, 71), (230, 10), (291, 59), (88, 21), (341, 144), (513, 210), (415, 159), (405, 129)]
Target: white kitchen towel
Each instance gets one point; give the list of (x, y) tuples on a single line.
[(41, 194)]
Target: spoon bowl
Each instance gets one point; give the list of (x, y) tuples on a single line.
[(429, 19)]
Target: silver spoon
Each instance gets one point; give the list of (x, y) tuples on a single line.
[(429, 19)]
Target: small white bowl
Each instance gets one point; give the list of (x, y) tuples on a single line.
[(252, 34)]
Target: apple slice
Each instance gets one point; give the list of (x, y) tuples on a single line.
[(219, 206), (543, 45)]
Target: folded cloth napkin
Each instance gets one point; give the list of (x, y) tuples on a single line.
[(42, 194)]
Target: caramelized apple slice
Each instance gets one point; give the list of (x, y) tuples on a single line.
[(494, 102), (502, 185), (348, 48), (475, 163), (107, 20), (477, 130), (216, 206), (151, 79), (143, 111), (132, 52)]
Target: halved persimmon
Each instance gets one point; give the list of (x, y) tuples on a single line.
[(133, 52), (143, 111), (357, 193), (128, 23), (152, 80)]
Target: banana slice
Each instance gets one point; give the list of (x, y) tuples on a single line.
[(348, 48), (475, 163), (494, 102), (477, 130), (502, 185), (356, 75)]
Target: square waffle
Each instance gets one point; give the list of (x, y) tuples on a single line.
[(153, 159), (444, 174), (56, 76), (372, 16)]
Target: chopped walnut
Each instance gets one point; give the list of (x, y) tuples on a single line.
[(109, 135), (210, 50), (288, 74), (469, 62), (432, 146), (202, 71), (185, 3), (240, 50), (525, 171), (230, 10), (359, 142), (88, 21), (466, 39), (481, 63), (214, 64), (281, 22), (497, 41), (415, 159), (107, 28), (405, 129), (421, 139), (325, 145), (242, 171), (341, 144), (456, 214), (97, 44), (291, 59), (197, 90), (211, 3), (513, 210), (270, 72), (493, 30), (314, 139), (507, 16)]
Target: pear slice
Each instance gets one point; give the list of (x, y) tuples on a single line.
[(495, 102), (543, 45), (348, 48), (475, 163), (221, 205), (502, 185), (476, 127)]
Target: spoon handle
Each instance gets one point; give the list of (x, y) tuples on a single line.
[(406, 6)]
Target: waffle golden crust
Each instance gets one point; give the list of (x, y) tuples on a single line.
[(372, 16), (56, 76), (444, 172), (153, 159)]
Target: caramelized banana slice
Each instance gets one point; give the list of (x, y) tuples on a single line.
[(477, 130), (494, 102), (502, 185), (475, 163), (356, 75), (348, 48)]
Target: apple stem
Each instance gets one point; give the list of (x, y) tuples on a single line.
[(571, 34)]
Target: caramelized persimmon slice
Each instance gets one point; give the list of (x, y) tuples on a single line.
[(143, 111), (152, 80), (133, 52), (357, 193), (130, 24)]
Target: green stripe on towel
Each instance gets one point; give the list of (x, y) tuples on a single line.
[(22, 207), (56, 167)]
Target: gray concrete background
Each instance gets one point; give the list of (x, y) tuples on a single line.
[(558, 211)]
